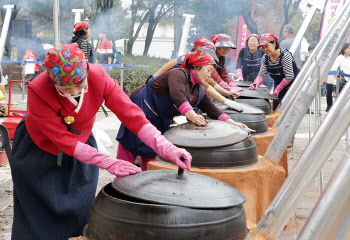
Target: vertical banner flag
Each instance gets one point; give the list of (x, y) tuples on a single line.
[(331, 9), (242, 34)]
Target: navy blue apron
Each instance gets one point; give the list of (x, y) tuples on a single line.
[(251, 64), (277, 74), (159, 110), (50, 201), (220, 65)]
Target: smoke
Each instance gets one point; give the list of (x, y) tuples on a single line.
[(212, 17)]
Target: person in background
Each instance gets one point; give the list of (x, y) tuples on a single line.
[(104, 50), (249, 60), (37, 46), (223, 45), (36, 52), (288, 36), (175, 92), (343, 63), (54, 162), (81, 34), (213, 89)]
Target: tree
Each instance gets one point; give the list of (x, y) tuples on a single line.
[(290, 9), (137, 13), (246, 9), (157, 10)]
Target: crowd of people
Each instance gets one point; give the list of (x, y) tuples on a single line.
[(55, 161)]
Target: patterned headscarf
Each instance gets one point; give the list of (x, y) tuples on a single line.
[(222, 40), (205, 45), (198, 58), (66, 64), (266, 38), (80, 25)]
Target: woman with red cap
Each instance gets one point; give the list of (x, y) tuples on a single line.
[(81, 34), (54, 161), (223, 45), (213, 89), (176, 92), (279, 64)]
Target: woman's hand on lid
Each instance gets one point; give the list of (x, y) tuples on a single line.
[(199, 120), (234, 94)]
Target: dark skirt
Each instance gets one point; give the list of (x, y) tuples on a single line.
[(50, 201)]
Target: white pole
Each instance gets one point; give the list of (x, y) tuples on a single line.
[(77, 13), (56, 22), (185, 31), (5, 28)]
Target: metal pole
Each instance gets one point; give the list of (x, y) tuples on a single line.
[(330, 219), (186, 30), (320, 81), (77, 14), (56, 22), (5, 28), (310, 109), (294, 116), (319, 117), (337, 85), (23, 78), (307, 167), (122, 75)]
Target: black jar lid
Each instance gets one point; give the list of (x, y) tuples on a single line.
[(188, 189), (247, 84), (255, 94), (248, 109), (214, 134)]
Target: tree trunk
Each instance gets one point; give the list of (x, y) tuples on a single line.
[(251, 24), (150, 33)]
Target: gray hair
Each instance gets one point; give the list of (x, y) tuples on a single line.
[(288, 28)]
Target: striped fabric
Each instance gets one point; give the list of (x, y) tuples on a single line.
[(86, 47), (287, 64)]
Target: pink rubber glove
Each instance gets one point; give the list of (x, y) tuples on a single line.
[(280, 86), (239, 74), (257, 82), (153, 138), (224, 85), (89, 155), (233, 87)]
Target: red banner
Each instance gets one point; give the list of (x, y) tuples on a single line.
[(331, 9), (242, 34)]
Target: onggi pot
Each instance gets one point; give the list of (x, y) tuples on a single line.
[(166, 204)]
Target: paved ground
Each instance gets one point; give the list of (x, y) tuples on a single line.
[(110, 125)]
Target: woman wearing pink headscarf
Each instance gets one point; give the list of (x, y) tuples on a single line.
[(54, 161), (223, 45), (279, 64), (176, 92)]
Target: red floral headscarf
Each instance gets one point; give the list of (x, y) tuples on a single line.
[(66, 64), (222, 40), (266, 38), (80, 25), (197, 58), (204, 44)]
